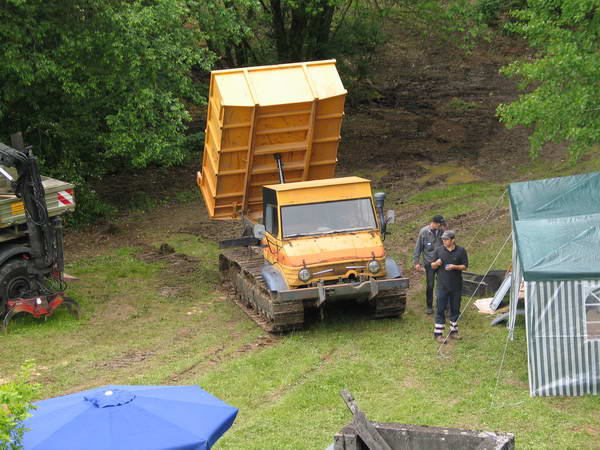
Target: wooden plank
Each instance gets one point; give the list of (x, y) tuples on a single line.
[(260, 170), (283, 113), (365, 429), (271, 149), (274, 181), (326, 162), (236, 125), (229, 195), (330, 116), (232, 172), (240, 148), (268, 131), (327, 139)]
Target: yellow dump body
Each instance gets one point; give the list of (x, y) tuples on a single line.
[(295, 110)]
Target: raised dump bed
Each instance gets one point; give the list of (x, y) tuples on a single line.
[(412, 437), (294, 110)]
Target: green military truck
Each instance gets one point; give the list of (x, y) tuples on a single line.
[(31, 240)]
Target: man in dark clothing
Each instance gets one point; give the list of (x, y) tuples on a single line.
[(427, 241), (450, 261)]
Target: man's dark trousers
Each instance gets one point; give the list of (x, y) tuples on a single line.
[(444, 298), (430, 277)]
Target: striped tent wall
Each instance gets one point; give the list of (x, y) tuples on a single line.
[(562, 361)]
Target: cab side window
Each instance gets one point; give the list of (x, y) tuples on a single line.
[(271, 219)]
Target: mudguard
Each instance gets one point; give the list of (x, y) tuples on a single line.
[(273, 278), (392, 269), (7, 251)]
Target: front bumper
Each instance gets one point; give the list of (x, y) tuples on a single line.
[(360, 290)]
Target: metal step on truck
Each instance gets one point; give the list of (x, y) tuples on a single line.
[(32, 276), (270, 152)]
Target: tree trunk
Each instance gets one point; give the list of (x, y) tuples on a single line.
[(321, 30), (278, 22), (299, 34)]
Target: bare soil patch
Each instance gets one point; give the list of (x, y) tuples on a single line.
[(126, 360), (221, 354)]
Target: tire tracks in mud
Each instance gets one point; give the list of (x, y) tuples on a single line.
[(325, 359), (222, 354)]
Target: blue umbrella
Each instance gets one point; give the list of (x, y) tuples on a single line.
[(129, 417)]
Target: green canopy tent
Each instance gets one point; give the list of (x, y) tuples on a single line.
[(556, 252)]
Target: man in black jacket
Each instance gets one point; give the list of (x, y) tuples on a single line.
[(427, 241), (450, 262)]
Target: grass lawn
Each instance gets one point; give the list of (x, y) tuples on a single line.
[(155, 317)]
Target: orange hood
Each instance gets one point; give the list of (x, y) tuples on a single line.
[(332, 248)]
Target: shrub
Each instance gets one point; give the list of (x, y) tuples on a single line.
[(15, 404)]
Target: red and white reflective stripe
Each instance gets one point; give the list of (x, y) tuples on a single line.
[(65, 197)]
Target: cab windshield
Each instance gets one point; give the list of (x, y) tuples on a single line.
[(327, 217)]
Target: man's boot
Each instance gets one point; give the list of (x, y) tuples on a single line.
[(454, 331), (439, 339)]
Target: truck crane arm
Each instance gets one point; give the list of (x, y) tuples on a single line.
[(44, 239), (30, 189)]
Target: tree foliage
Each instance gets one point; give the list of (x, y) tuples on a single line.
[(249, 32), (563, 80), (99, 84), (229, 27), (106, 85), (15, 404), (302, 29)]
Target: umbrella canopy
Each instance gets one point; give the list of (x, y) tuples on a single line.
[(129, 417)]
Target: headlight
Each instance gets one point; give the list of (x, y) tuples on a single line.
[(374, 266), (304, 274)]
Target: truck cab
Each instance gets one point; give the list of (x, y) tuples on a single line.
[(323, 230)]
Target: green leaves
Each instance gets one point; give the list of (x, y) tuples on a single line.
[(99, 85), (15, 404), (563, 102)]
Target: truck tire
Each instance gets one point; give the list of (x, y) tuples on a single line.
[(14, 281)]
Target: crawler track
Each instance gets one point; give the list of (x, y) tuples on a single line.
[(243, 268), (390, 304)]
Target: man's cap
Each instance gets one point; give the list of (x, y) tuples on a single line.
[(448, 235), (438, 219)]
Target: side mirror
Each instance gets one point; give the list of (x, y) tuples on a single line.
[(379, 201), (259, 231), (390, 216)]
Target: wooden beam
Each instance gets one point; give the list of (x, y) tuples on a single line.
[(365, 429)]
